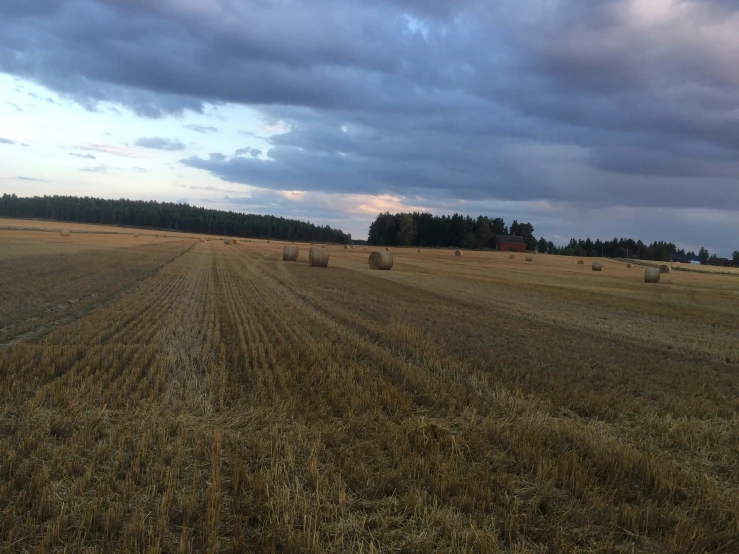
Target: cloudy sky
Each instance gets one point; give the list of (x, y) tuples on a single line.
[(601, 118)]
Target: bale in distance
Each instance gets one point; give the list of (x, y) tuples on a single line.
[(512, 257), (580, 262), (226, 241), (457, 252), (318, 257), (65, 232), (628, 266), (290, 253), (387, 249), (135, 236), (529, 257), (156, 236), (597, 266), (346, 247), (651, 275), (380, 260), (419, 250), (664, 269)]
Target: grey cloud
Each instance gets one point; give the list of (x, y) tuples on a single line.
[(158, 143), (12, 142), (255, 152), (587, 104), (95, 169), (32, 179), (201, 128), (86, 156)]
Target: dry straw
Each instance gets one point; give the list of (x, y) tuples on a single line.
[(290, 253), (529, 258), (381, 260), (458, 253), (65, 232), (318, 257), (597, 266), (135, 236), (664, 269), (651, 275), (580, 262)]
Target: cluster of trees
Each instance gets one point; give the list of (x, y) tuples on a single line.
[(616, 248), (425, 229), (166, 216)]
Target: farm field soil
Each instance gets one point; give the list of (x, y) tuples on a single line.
[(212, 398)]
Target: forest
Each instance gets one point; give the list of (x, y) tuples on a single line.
[(166, 216), (459, 231), (425, 229)]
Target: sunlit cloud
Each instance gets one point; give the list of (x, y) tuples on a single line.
[(115, 150)]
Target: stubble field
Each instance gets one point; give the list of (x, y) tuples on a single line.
[(171, 395)]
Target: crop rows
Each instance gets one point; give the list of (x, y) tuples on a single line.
[(233, 403)]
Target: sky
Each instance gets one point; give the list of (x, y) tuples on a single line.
[(601, 119)]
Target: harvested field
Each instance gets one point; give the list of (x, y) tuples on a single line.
[(215, 399)]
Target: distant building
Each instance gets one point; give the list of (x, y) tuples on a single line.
[(725, 262), (510, 243), (683, 259)]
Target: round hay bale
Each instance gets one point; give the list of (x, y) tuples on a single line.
[(580, 262), (65, 232), (318, 257), (457, 252), (597, 266), (290, 253), (419, 250), (156, 236), (352, 247), (512, 257), (346, 247), (380, 260), (664, 269), (387, 249), (651, 275), (364, 248), (628, 266), (529, 257)]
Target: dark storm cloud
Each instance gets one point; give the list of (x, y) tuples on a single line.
[(610, 102), (158, 143)]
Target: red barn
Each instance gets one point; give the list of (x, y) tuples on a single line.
[(510, 243)]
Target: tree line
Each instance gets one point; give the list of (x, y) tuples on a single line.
[(425, 229), (166, 216), (617, 248), (459, 231)]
